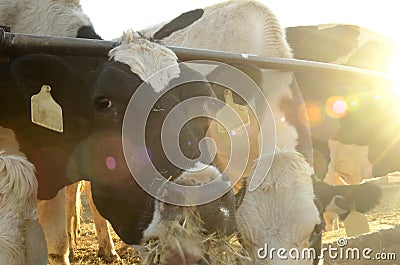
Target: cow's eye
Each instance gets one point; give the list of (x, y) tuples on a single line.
[(102, 103)]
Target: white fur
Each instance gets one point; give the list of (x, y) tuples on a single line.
[(281, 212), (18, 212), (146, 58), (43, 17), (200, 174)]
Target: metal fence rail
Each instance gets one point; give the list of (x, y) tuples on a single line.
[(13, 43)]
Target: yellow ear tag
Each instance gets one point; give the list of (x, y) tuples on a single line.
[(45, 111), (356, 224), (223, 114)]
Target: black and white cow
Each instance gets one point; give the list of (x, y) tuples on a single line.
[(52, 18), (93, 105), (371, 107), (114, 84), (320, 43), (358, 141), (94, 108), (340, 200), (250, 27)]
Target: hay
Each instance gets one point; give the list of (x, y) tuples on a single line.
[(214, 249), (223, 249)]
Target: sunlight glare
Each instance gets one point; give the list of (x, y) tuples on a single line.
[(394, 69)]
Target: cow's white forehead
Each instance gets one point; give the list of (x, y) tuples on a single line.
[(145, 58)]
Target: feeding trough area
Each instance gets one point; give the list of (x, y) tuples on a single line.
[(13, 45)]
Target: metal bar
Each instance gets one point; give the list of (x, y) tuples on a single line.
[(282, 64), (13, 43)]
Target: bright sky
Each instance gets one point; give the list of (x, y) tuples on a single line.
[(111, 18)]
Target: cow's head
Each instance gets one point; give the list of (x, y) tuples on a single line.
[(134, 65)]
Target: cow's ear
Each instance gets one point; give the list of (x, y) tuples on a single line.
[(33, 71), (184, 20)]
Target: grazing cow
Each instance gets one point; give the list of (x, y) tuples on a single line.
[(348, 109), (256, 32), (114, 82), (197, 222), (338, 201), (82, 151), (21, 237), (281, 213)]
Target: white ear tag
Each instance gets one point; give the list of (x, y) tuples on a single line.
[(241, 111), (45, 111), (356, 224)]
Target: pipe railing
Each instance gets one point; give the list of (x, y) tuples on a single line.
[(13, 43)]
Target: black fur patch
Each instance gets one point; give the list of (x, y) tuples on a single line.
[(362, 197), (87, 32), (183, 21), (331, 44)]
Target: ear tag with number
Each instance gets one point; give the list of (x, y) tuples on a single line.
[(45, 111), (356, 224), (223, 114)]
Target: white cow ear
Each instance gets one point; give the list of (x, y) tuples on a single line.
[(184, 20)]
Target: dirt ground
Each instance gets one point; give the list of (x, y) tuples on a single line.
[(385, 216)]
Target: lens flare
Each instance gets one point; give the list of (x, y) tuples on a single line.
[(339, 106), (111, 163), (336, 107), (352, 103), (312, 112)]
